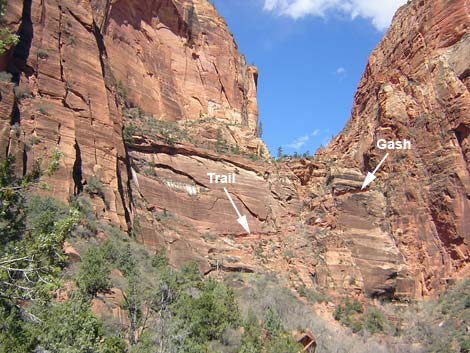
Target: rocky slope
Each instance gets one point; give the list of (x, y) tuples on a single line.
[(141, 99), (409, 233)]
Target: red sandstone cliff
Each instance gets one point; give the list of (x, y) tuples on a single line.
[(410, 231), (147, 97)]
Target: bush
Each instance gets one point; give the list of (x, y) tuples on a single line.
[(119, 255), (134, 113), (15, 334), (251, 338), (44, 213), (34, 140), (43, 110), (5, 77), (94, 186), (88, 226), (283, 344), (272, 322), (43, 54), (121, 92), (208, 314), (129, 131), (7, 40), (54, 163), (113, 345), (374, 321), (22, 92), (70, 327), (349, 315), (93, 274)]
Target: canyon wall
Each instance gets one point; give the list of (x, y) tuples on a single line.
[(409, 232), (140, 100)]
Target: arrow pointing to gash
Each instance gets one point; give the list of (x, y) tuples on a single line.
[(371, 176), (241, 219)]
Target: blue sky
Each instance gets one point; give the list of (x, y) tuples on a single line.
[(311, 55)]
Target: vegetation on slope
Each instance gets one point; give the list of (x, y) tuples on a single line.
[(168, 310)]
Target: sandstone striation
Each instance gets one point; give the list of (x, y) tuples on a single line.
[(140, 100), (409, 233)]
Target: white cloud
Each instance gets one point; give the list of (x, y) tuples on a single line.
[(299, 142), (379, 12), (340, 71)]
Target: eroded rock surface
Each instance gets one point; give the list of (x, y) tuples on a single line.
[(409, 231), (142, 99)]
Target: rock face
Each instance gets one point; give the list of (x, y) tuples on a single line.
[(410, 231), (79, 64), (139, 100)]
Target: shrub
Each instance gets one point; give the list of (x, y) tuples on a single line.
[(7, 40), (22, 92), (208, 314), (113, 344), (272, 322), (466, 301), (44, 213), (93, 274), (94, 186), (55, 162), (374, 321), (251, 338), (43, 54), (43, 110), (135, 113), (121, 92), (88, 222), (70, 327), (15, 335), (120, 255), (129, 131), (349, 315), (5, 77), (34, 140), (283, 344), (160, 260)]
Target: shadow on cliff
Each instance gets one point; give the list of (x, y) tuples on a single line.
[(22, 50)]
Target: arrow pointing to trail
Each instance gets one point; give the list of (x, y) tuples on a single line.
[(241, 219), (371, 176)]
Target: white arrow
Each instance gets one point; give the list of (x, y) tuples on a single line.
[(241, 219), (371, 176)]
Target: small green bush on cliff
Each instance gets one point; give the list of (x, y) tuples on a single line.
[(93, 274), (7, 39)]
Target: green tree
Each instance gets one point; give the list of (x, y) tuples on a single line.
[(208, 313), (259, 131), (15, 333), (7, 40), (374, 321), (133, 305), (272, 322), (284, 343), (280, 153), (113, 345), (12, 201), (251, 339), (93, 274), (70, 327)]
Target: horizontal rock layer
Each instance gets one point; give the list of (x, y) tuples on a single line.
[(148, 97)]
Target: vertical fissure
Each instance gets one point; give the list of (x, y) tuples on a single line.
[(77, 170), (19, 65)]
